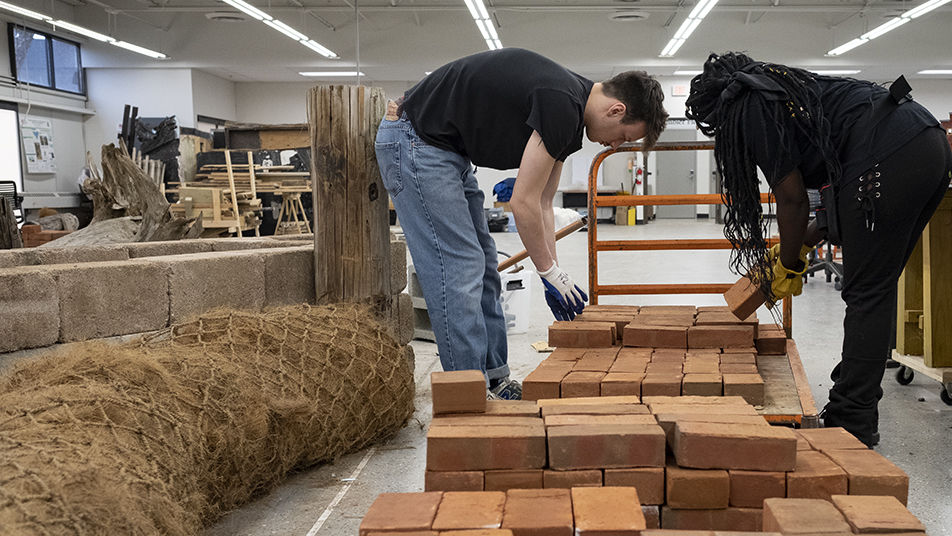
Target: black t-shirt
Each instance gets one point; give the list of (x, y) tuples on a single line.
[(846, 103), (485, 107)]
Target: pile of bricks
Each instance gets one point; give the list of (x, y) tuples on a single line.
[(698, 463), (34, 235), (671, 350)]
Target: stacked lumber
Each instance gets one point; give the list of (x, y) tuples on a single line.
[(266, 179), (215, 205)]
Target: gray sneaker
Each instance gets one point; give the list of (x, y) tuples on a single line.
[(507, 390)]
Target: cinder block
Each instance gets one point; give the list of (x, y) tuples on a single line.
[(200, 282), (78, 254), (656, 336), (402, 319), (724, 519), (696, 488), (744, 298), (539, 512), (472, 448), (238, 244), (469, 510), (869, 514), (104, 299), (453, 481), (803, 516), (398, 266), (752, 447), (12, 258), (572, 479), (458, 391), (393, 512), (749, 386), (597, 446), (604, 511), (750, 488), (582, 334), (870, 473), (289, 276), (649, 481), (29, 308), (167, 247)]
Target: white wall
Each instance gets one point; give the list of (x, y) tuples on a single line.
[(213, 96), (286, 102)]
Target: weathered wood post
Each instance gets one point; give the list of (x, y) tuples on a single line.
[(351, 219)]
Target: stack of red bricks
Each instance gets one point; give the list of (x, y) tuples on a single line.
[(698, 462), (669, 350), (34, 235)]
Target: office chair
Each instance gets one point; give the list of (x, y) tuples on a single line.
[(8, 189), (821, 258)]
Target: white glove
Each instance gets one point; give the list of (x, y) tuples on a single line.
[(559, 281)]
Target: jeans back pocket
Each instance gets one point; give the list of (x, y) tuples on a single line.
[(388, 158)]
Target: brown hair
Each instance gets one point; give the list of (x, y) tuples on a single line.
[(643, 99)]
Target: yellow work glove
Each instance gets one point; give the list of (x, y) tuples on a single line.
[(786, 282), (774, 252)]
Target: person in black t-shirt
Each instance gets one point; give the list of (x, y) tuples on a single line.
[(503, 109), (882, 165)]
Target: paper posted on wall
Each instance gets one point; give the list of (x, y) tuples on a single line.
[(37, 135)]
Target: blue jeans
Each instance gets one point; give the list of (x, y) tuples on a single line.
[(440, 207)]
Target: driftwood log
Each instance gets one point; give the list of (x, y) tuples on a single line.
[(9, 233)]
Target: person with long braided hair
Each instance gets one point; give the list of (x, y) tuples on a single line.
[(882, 163)]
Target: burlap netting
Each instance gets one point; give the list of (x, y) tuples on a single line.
[(161, 436)]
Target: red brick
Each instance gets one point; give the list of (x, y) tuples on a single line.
[(713, 309), (393, 512), (753, 447), (748, 350), (710, 353), (720, 337), (582, 334), (621, 383), (734, 519), (560, 364), (738, 368), (607, 512), (571, 479), (803, 516), (567, 354), (668, 310), (613, 308), (726, 319), (631, 366), (544, 512), (595, 409), (749, 359), (696, 488), (592, 400), (694, 400), (453, 481), (411, 533), (621, 319), (664, 367), (666, 320), (744, 298), (507, 479), (470, 510), (667, 421), (594, 362), (649, 481), (750, 488), (749, 386), (595, 446), (667, 355), (513, 408), (702, 385), (771, 342), (543, 383), (582, 384), (481, 419), (458, 391), (471, 448), (565, 420), (802, 444), (697, 366), (635, 353), (824, 439), (652, 517), (693, 405), (816, 477), (868, 514), (869, 473), (656, 337), (663, 384), (473, 532)]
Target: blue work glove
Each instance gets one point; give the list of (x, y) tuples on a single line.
[(564, 291), (552, 298)]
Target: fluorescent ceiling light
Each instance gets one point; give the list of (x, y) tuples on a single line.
[(140, 50), (833, 72), (274, 23), (480, 15), (82, 31), (256, 13), (687, 73), (878, 31), (935, 71), (320, 49), (25, 12), (693, 20), (329, 74), (286, 30)]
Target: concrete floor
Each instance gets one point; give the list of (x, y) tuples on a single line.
[(916, 426)]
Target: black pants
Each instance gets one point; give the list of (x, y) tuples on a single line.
[(911, 183)]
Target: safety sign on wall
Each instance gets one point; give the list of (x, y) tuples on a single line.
[(37, 135)]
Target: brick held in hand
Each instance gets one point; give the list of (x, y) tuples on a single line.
[(392, 512), (824, 439), (507, 479), (816, 477), (876, 514), (702, 385), (594, 446), (471, 448), (661, 384), (720, 337), (582, 384), (458, 391), (696, 488), (749, 386), (607, 511), (581, 334), (649, 481), (656, 336), (750, 488), (622, 383), (540, 512), (753, 447), (869, 473), (803, 516), (572, 479), (470, 510), (453, 481), (543, 383), (744, 298), (722, 519)]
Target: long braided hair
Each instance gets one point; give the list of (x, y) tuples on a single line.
[(720, 98)]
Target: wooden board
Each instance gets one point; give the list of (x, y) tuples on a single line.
[(909, 306), (937, 287)]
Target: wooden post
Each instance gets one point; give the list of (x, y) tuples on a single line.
[(9, 232), (234, 195), (351, 222)]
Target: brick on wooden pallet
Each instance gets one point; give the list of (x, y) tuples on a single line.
[(629, 352), (749, 386), (571, 479), (664, 367), (581, 384), (481, 419), (588, 401), (705, 445), (698, 366), (668, 310), (730, 359), (573, 419), (453, 481), (870, 473), (680, 321), (392, 512), (652, 515), (513, 408), (567, 354), (803, 516), (661, 384), (703, 353), (458, 391), (470, 448), (771, 342), (667, 421), (702, 385), (629, 366), (200, 282), (744, 298), (691, 401), (734, 519), (656, 336), (596, 409), (621, 319), (816, 477), (470, 510), (289, 276), (738, 368), (649, 481), (621, 383), (669, 532), (726, 318), (872, 514), (607, 511), (823, 439), (29, 308), (802, 444), (594, 362), (594, 446), (720, 337), (750, 488), (748, 350), (410, 533), (696, 488), (543, 382), (507, 479), (695, 405), (473, 532), (612, 308), (581, 334), (541, 512), (668, 355)]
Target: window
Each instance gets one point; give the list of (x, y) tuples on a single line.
[(44, 60)]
